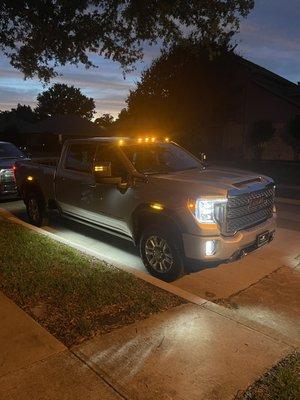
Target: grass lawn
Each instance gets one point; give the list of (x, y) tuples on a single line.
[(72, 295), (281, 383)]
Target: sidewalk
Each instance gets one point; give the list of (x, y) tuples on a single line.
[(190, 352), (36, 366)]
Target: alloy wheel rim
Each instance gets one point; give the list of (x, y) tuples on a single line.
[(158, 254)]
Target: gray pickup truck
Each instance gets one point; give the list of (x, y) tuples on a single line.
[(155, 193)]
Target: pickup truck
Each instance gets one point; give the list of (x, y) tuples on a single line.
[(156, 194), (9, 154)]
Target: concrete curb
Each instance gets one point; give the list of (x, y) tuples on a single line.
[(286, 200), (142, 275)]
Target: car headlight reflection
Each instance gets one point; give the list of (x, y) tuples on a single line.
[(6, 175)]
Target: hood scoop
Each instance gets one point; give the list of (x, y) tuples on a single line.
[(247, 182)]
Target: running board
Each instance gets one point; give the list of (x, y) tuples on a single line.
[(98, 227)]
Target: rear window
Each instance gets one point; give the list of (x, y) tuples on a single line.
[(80, 157)]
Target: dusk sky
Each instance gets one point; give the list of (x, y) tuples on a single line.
[(270, 37)]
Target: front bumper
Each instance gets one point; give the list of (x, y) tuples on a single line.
[(9, 191), (227, 248)]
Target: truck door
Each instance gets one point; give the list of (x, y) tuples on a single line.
[(112, 205), (74, 182)]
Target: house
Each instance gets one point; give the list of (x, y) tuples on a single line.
[(265, 96)]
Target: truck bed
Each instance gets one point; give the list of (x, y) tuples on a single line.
[(40, 171)]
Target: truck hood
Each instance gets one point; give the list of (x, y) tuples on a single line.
[(216, 180), (7, 163)]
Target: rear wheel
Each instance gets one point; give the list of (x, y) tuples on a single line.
[(36, 210), (161, 255)]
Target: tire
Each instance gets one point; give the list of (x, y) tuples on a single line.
[(36, 209), (161, 254)]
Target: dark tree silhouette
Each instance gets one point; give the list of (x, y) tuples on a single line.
[(262, 132), (61, 99), (39, 35), (21, 112), (186, 94), (292, 136), (106, 120)]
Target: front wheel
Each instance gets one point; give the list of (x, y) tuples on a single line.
[(35, 210), (161, 255)]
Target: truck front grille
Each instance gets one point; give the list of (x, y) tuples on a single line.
[(249, 209)]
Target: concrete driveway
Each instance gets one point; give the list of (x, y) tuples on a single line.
[(262, 288)]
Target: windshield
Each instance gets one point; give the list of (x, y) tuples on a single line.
[(160, 158), (9, 150)]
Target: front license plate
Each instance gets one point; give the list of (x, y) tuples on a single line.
[(263, 238)]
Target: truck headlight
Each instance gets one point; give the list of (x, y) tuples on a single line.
[(204, 209)]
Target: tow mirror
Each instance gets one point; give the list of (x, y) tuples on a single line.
[(203, 158), (102, 171), (103, 175)]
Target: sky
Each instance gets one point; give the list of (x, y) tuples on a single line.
[(270, 37)]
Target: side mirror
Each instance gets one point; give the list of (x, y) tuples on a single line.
[(202, 157), (103, 175), (102, 171)]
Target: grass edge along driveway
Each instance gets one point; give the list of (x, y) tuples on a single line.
[(74, 296), (282, 382)]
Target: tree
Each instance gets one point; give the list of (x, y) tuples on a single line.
[(61, 99), (37, 36), (14, 121), (22, 112), (293, 135), (186, 94), (262, 132), (106, 120)]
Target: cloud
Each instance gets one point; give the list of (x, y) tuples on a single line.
[(269, 37)]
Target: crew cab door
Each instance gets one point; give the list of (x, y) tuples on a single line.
[(74, 181), (112, 203)]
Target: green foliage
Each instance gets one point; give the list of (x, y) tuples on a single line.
[(185, 93), (39, 35), (294, 129), (77, 295), (22, 112), (61, 99), (262, 132), (281, 383), (292, 136), (12, 121), (106, 120)]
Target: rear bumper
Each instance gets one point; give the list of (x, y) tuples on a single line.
[(227, 248)]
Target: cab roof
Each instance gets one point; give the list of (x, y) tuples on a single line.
[(114, 139)]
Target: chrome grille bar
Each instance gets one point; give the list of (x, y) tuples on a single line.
[(249, 209)]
